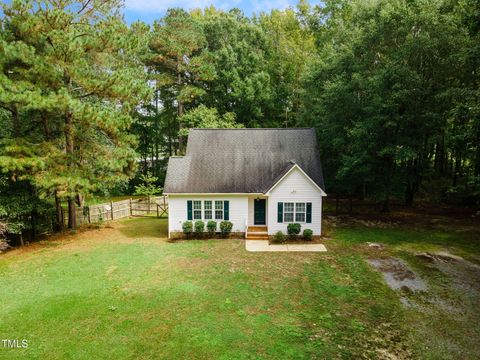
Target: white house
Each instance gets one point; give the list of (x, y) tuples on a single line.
[(259, 179)]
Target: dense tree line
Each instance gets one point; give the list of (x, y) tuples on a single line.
[(395, 98), (88, 103)]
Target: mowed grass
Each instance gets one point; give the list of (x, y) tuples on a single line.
[(124, 292)]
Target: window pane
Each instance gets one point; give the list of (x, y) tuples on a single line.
[(300, 217), (208, 205), (197, 205), (218, 205), (288, 207), (208, 214), (300, 207), (197, 214), (288, 217), (218, 214)]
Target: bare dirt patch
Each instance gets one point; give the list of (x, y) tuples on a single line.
[(398, 275), (464, 275)]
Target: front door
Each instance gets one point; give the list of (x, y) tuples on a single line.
[(259, 212)]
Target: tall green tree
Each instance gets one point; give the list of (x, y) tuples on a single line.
[(74, 65), (383, 91), (179, 62)]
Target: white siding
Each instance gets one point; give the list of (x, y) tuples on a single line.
[(177, 210), (295, 187)]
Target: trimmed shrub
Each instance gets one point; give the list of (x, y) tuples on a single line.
[(279, 237), (226, 228), (199, 228), (308, 234), (211, 228), (187, 228), (293, 230)]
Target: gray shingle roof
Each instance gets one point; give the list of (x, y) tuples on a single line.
[(242, 160)]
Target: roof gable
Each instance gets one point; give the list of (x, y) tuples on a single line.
[(290, 169), (242, 160)]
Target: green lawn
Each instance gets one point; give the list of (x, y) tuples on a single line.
[(124, 292)]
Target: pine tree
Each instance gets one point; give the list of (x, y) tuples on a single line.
[(74, 66)]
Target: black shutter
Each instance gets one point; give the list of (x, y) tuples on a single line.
[(309, 212), (226, 210), (280, 212), (189, 210)]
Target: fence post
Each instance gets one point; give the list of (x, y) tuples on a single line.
[(89, 217), (148, 204), (111, 209), (63, 218), (131, 211), (158, 212)]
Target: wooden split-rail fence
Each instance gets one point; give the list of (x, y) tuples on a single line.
[(113, 210)]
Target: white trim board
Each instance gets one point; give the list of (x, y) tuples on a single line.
[(323, 193)]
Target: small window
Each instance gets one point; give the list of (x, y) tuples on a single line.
[(218, 210), (300, 212), (197, 210), (207, 205), (288, 212)]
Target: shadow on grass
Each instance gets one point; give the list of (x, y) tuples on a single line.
[(148, 227), (468, 243)]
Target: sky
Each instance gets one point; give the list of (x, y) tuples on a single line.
[(149, 10)]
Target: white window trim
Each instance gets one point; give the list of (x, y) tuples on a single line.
[(304, 212), (288, 212), (211, 210), (294, 212), (215, 210), (193, 210)]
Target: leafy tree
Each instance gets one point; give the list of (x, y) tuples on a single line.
[(238, 49), (291, 45), (381, 94), (148, 186), (74, 65), (179, 64), (203, 117)]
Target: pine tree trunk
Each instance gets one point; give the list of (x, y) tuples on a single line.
[(387, 185), (46, 128), (16, 122), (181, 140), (157, 137), (456, 170), (72, 216), (69, 148), (59, 213), (477, 155)]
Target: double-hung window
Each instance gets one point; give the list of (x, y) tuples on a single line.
[(300, 210), (218, 210), (288, 211), (207, 206), (197, 210)]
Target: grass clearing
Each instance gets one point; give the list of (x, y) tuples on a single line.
[(124, 292)]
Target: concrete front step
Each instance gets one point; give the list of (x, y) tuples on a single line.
[(257, 236), (257, 229)]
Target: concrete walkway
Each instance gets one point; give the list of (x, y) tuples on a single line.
[(263, 245)]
